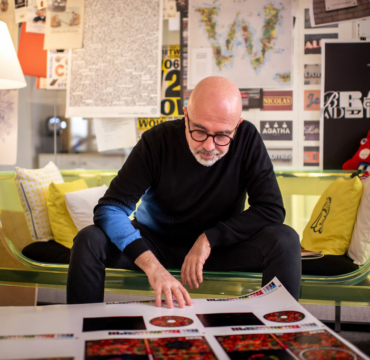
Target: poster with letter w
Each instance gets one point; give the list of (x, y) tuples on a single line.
[(345, 112)]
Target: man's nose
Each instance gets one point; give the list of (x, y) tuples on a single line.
[(209, 144)]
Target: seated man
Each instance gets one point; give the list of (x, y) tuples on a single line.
[(193, 176)]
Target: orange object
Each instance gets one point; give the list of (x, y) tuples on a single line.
[(31, 53)]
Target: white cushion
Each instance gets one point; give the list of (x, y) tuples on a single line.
[(81, 203), (32, 186), (359, 247)]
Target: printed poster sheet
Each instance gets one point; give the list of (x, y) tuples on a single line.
[(8, 126), (345, 96), (115, 133), (323, 12), (57, 72), (267, 323), (36, 18), (64, 24), (248, 42), (115, 75)]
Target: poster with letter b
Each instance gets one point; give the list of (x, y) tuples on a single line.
[(345, 100)]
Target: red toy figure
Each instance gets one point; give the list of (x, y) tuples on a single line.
[(362, 157)]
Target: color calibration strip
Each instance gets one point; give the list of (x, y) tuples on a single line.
[(283, 327), (155, 332), (266, 289), (33, 337)]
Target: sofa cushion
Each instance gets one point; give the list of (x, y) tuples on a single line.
[(329, 265), (330, 227), (49, 252), (32, 186), (81, 203), (64, 229), (359, 247)]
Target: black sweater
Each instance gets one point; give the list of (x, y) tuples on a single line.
[(182, 199)]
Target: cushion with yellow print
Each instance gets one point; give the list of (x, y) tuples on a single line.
[(63, 227), (32, 186), (331, 224)]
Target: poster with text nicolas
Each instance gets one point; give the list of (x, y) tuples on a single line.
[(345, 101)]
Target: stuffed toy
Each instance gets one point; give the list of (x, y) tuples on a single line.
[(361, 160)]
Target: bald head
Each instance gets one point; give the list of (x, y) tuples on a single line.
[(218, 96)]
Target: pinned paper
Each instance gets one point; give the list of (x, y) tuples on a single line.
[(64, 25), (115, 133), (57, 69), (35, 18), (8, 126), (7, 15), (21, 10), (31, 54)]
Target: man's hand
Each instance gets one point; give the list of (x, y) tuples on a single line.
[(162, 281), (192, 268)]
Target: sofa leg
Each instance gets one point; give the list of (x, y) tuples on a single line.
[(337, 318)]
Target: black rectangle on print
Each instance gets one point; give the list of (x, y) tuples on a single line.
[(260, 354), (114, 323), (229, 319)]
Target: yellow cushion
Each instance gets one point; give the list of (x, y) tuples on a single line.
[(330, 228), (61, 223)]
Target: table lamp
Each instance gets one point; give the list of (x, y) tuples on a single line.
[(11, 75)]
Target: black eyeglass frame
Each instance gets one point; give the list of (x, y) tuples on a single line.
[(209, 135)]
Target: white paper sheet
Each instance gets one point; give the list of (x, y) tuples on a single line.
[(20, 10), (35, 18), (115, 133), (339, 4), (8, 126), (118, 72), (64, 25), (57, 71), (208, 329)]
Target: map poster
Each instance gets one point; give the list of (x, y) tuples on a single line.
[(345, 101), (8, 126), (248, 42)]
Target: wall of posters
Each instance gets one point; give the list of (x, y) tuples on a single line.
[(346, 101)]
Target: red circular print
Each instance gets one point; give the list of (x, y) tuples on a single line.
[(171, 321), (326, 353), (288, 316)]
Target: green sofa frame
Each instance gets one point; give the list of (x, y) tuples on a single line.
[(352, 289)]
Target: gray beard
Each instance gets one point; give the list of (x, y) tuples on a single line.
[(207, 162)]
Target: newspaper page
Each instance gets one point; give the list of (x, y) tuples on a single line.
[(265, 324), (64, 24), (118, 72)]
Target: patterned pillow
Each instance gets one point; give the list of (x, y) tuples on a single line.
[(32, 186)]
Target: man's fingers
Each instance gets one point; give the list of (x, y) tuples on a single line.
[(186, 296), (179, 297), (168, 295), (183, 278), (158, 297), (200, 272), (193, 275)]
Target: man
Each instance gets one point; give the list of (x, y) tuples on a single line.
[(192, 175)]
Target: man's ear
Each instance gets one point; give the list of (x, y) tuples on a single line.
[(185, 110), (240, 120)]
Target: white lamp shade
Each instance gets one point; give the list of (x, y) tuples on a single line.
[(11, 75)]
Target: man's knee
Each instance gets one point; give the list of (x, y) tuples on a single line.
[(89, 238), (283, 238)]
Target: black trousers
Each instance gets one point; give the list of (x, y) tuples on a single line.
[(275, 250)]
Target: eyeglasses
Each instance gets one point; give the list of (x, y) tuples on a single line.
[(201, 136)]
